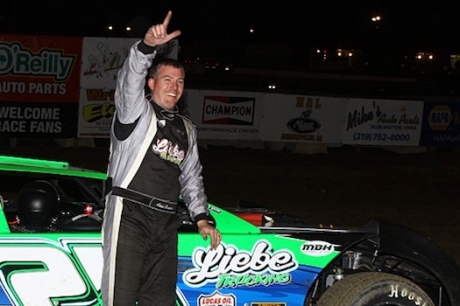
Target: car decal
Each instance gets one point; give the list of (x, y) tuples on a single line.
[(228, 266), (62, 272), (216, 299), (318, 248)]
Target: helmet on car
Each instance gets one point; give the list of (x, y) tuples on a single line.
[(37, 203)]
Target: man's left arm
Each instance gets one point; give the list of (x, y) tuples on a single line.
[(191, 179), (192, 191)]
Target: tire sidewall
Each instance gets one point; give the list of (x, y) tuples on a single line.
[(393, 292), (375, 289)]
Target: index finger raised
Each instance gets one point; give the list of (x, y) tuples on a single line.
[(167, 19)]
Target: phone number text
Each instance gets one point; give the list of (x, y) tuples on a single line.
[(380, 137)]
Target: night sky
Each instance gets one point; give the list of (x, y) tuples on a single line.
[(414, 25)]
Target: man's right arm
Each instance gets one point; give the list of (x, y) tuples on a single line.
[(129, 94), (130, 100)]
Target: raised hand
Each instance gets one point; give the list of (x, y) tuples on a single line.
[(158, 34)]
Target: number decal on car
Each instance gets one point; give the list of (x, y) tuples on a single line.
[(45, 272)]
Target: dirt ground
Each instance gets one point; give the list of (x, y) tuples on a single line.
[(345, 187)]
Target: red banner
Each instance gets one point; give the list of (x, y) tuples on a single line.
[(40, 68)]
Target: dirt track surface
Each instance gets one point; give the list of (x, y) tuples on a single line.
[(343, 187)]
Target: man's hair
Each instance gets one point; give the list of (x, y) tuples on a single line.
[(157, 64)]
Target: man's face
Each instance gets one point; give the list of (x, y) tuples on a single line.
[(167, 86)]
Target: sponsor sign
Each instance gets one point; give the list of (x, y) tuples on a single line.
[(441, 124), (39, 68), (39, 85), (317, 248), (383, 122), (225, 115), (102, 59), (217, 299), (304, 119), (229, 267)]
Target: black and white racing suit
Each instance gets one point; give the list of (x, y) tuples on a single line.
[(154, 154)]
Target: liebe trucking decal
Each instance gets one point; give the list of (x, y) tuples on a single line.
[(256, 275)]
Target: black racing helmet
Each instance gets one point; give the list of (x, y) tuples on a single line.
[(37, 203)]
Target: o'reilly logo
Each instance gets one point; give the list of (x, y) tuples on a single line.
[(228, 110), (317, 248), (15, 59)]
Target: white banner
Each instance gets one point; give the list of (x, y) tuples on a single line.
[(383, 122), (303, 119), (225, 115), (101, 60)]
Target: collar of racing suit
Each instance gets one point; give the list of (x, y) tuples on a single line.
[(163, 113)]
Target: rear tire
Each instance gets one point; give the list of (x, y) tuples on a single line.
[(375, 289)]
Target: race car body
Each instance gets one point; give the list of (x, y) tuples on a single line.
[(51, 252)]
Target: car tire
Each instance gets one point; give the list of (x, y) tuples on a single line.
[(375, 288)]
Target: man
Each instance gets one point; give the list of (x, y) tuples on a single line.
[(153, 159)]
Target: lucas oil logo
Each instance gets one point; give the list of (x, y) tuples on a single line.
[(217, 299), (317, 248)]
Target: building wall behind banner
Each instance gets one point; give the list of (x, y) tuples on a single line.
[(39, 85)]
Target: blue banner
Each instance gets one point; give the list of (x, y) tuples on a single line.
[(441, 124)]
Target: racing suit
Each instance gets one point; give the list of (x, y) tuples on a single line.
[(140, 242)]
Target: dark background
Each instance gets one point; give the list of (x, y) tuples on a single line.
[(216, 34), (418, 24), (211, 28)]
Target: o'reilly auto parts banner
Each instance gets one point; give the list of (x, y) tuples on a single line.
[(39, 85), (224, 115)]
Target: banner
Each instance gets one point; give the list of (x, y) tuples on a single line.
[(39, 85), (303, 119), (102, 58), (383, 122), (39, 68), (441, 124), (224, 115)]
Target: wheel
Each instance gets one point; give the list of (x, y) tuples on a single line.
[(374, 289)]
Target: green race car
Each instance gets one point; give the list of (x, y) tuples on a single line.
[(51, 252)]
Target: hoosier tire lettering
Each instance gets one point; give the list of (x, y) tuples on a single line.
[(374, 288)]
